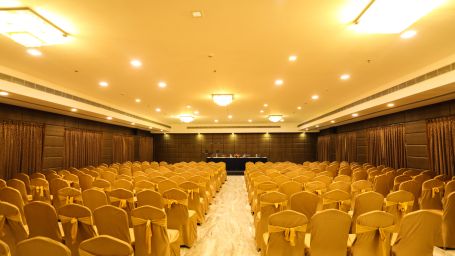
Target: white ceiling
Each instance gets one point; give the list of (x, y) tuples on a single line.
[(250, 42)]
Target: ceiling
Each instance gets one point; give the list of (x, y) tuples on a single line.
[(238, 47)]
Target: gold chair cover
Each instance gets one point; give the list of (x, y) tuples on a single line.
[(20, 186), (40, 246), (39, 189), (94, 198), (13, 196), (306, 203), (105, 245), (399, 203), (414, 188), (432, 194), (42, 220), (69, 195), (149, 198), (12, 229), (448, 222), (195, 201), (112, 221), (336, 199), (366, 202)]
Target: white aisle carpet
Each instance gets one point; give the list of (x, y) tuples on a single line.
[(228, 229)]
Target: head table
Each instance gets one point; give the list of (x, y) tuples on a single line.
[(236, 165)]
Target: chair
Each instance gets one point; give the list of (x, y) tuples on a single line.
[(37, 175), (400, 179), (336, 199), (112, 221), (448, 222), (149, 198), (20, 186), (94, 198), (39, 246), (177, 179), (102, 184), (69, 195), (166, 185), (417, 234), (77, 223), (2, 183), (285, 234), (13, 229), (144, 184), (289, 188), (85, 181), (398, 204), (381, 184), (345, 178), (269, 203), (42, 220), (323, 178), (24, 178), (366, 202), (13, 196), (179, 217), (432, 194), (122, 183), (329, 233), (359, 175), (40, 190), (104, 245), (340, 185), (151, 234), (414, 188), (302, 179), (54, 186), (304, 202), (72, 179), (4, 249), (195, 202), (449, 188), (360, 186), (260, 189), (317, 187), (373, 234)]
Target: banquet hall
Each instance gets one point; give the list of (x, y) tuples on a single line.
[(242, 128)]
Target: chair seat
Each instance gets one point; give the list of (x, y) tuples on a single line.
[(173, 235)]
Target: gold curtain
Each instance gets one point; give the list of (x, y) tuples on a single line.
[(441, 145), (386, 146), (145, 148), (122, 148), (21, 148), (324, 146), (346, 146), (82, 148)]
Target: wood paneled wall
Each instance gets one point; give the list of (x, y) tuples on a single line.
[(55, 125), (295, 147), (414, 121)]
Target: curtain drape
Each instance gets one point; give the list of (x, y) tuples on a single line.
[(82, 148), (441, 145), (21, 148), (145, 148), (324, 146), (122, 148), (346, 146), (386, 146)]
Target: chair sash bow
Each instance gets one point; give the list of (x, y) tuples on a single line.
[(191, 192), (40, 190), (74, 224), (401, 206), (169, 202), (384, 232), (339, 202), (148, 228), (281, 205), (123, 202), (3, 218), (289, 233)]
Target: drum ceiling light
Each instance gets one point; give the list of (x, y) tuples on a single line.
[(186, 118), (275, 118), (222, 99), (28, 28)]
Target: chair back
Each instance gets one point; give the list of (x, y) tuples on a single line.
[(381, 184), (13, 229), (54, 186), (40, 190), (144, 184), (85, 181), (360, 186), (112, 221), (42, 220), (432, 194), (366, 202), (175, 203), (13, 196), (417, 233), (329, 233), (291, 187), (166, 185), (342, 177), (24, 178), (400, 179), (305, 202), (149, 198), (373, 233), (94, 198), (398, 204), (69, 195), (41, 246), (340, 185), (336, 199), (105, 245), (102, 184), (317, 187), (20, 186), (448, 222)]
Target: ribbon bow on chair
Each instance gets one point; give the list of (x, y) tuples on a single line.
[(123, 203), (192, 191), (401, 206), (281, 205), (435, 191), (289, 233), (74, 224), (148, 228), (383, 232), (327, 201), (169, 202)]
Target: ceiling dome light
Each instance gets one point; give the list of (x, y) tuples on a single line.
[(315, 97), (104, 84), (355, 115), (74, 110), (230, 116), (299, 108), (390, 105), (136, 63), (158, 109), (345, 76), (138, 100), (279, 82), (186, 118), (292, 58), (275, 118), (162, 84), (222, 99), (109, 118)]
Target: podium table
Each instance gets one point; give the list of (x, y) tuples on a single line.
[(236, 165)]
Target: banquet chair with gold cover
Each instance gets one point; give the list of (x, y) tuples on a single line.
[(42, 220), (359, 187), (77, 224), (260, 189), (336, 199), (269, 203), (54, 186), (123, 199), (285, 234), (85, 181), (40, 190), (289, 188), (306, 203), (40, 246), (432, 194), (366, 202), (105, 185), (448, 222), (179, 217), (399, 203), (94, 198), (12, 227), (2, 183), (69, 195), (414, 188), (13, 196), (166, 185), (145, 185), (195, 201), (112, 221), (177, 179), (329, 233), (381, 184), (109, 176), (123, 184), (149, 197), (24, 178), (340, 185), (72, 179), (20, 186), (323, 178), (105, 245), (418, 233), (359, 175), (316, 187), (448, 189), (341, 177), (4, 249), (400, 179), (152, 238), (373, 234)]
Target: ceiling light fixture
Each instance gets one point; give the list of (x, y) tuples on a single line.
[(333, 121), (138, 100), (158, 109), (408, 34), (162, 84), (109, 118), (355, 115), (315, 97), (222, 99), (345, 76), (186, 118), (299, 108), (392, 17), (216, 120), (34, 52), (250, 121), (74, 110), (279, 82), (230, 116), (317, 126), (4, 93), (188, 106), (275, 118), (196, 14), (266, 105), (136, 63), (103, 84), (390, 105), (292, 58), (28, 28)]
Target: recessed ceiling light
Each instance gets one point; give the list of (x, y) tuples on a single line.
[(345, 76), (188, 106), (103, 84), (249, 120), (4, 93), (292, 58), (216, 121), (333, 121), (138, 100), (196, 14), (162, 84), (136, 63), (74, 110), (355, 115), (275, 118), (279, 82), (299, 107), (34, 52), (133, 123), (262, 111), (390, 105), (109, 118), (158, 109), (408, 34), (186, 118), (266, 105), (196, 112), (230, 116), (315, 97)]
